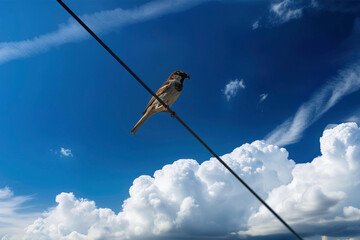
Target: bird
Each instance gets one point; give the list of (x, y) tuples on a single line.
[(168, 92)]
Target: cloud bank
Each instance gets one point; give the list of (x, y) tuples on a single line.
[(178, 201), (100, 22), (323, 194), (203, 201), (232, 88), (347, 82)]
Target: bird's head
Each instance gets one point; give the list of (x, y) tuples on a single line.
[(179, 75)]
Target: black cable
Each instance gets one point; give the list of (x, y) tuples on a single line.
[(176, 116)]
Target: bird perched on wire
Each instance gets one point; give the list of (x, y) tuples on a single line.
[(168, 92)]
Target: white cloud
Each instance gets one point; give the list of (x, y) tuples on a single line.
[(282, 11), (5, 237), (286, 10), (188, 199), (66, 152), (100, 22), (347, 82), (232, 88), (354, 117), (12, 218), (182, 199), (5, 193), (263, 97), (256, 25), (323, 195)]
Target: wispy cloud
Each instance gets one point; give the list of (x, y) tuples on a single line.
[(347, 81), (11, 218), (66, 152), (100, 22), (282, 11), (232, 88), (62, 152), (256, 24), (286, 10), (354, 117), (263, 97)]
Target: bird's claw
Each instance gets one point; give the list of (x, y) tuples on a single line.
[(172, 113)]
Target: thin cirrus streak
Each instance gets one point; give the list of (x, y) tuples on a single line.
[(263, 97), (355, 117), (290, 131), (11, 220), (100, 22)]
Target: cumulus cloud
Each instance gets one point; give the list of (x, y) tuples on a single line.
[(12, 218), (232, 88), (187, 199), (66, 152), (100, 22), (347, 82), (182, 199), (323, 195)]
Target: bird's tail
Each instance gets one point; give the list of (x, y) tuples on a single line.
[(140, 122)]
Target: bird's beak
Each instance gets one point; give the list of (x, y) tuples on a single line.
[(187, 76)]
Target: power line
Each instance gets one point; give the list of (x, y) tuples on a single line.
[(176, 116)]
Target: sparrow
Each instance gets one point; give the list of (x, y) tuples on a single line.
[(168, 92)]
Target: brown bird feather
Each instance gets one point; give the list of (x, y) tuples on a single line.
[(158, 93)]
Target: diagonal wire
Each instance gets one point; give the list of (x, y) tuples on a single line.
[(176, 116)]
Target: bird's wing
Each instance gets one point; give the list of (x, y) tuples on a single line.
[(158, 93)]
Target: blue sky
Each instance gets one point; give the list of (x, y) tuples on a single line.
[(67, 107)]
